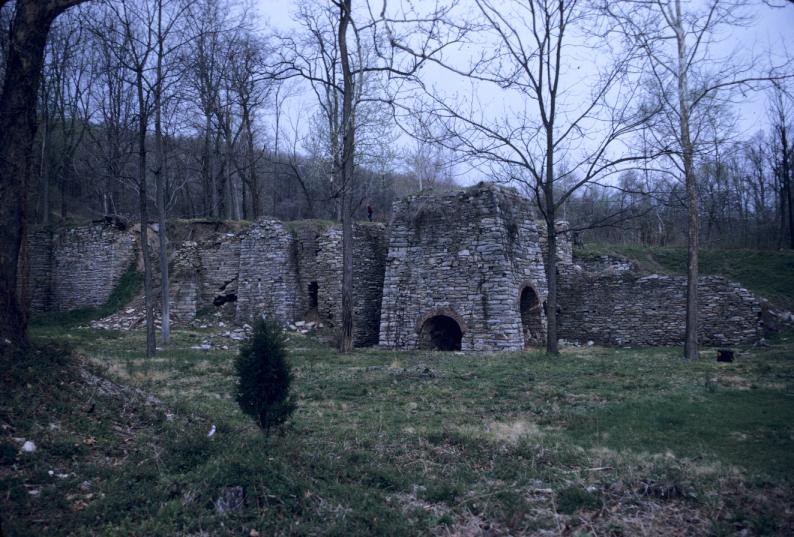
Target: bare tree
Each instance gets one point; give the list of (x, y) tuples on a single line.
[(112, 145), (133, 41), (64, 108), (781, 115), (32, 21), (168, 41), (688, 78), (573, 126), (348, 62), (251, 89)]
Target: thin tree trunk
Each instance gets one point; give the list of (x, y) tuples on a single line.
[(252, 175), (693, 223), (142, 200), (345, 343), (45, 180), (209, 198), (159, 175), (787, 182), (552, 344)]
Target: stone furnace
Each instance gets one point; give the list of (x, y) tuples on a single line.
[(464, 272)]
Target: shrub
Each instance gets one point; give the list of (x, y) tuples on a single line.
[(264, 376)]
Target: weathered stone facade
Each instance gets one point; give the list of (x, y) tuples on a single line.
[(464, 257), (369, 258), (455, 270), (617, 306), (184, 291), (290, 271), (564, 243), (78, 267), (267, 281)]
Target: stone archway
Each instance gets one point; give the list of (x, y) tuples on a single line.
[(531, 310), (441, 329), (440, 333)]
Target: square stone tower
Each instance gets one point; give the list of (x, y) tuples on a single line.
[(464, 272)]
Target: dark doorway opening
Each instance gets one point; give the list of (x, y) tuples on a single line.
[(531, 317), (440, 333), (312, 314), (313, 289)]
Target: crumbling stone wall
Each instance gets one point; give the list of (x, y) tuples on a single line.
[(268, 280), (607, 263), (219, 271), (625, 308), (184, 279), (564, 243), (39, 282), (369, 258), (471, 257), (306, 248), (466, 255), (78, 267)]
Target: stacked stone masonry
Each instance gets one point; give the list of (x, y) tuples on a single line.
[(77, 268), (460, 270), (564, 243), (466, 255), (369, 258), (621, 307)]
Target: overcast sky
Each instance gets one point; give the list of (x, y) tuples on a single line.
[(773, 29)]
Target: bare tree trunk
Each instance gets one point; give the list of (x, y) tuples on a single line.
[(142, 200), (552, 346), (207, 174), (28, 37), (43, 176), (345, 343), (159, 172), (786, 175), (693, 223), (253, 178)]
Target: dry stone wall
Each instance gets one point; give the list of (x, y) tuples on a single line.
[(465, 255), (184, 279), (78, 267), (219, 269), (39, 282), (564, 244), (306, 237), (470, 259), (369, 258), (625, 308), (268, 276)]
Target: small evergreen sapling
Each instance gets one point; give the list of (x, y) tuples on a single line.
[(264, 376)]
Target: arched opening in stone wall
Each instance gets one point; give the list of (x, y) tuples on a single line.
[(531, 317), (440, 333)]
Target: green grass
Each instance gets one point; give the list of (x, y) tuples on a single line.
[(743, 428), (592, 441), (128, 286), (768, 273)]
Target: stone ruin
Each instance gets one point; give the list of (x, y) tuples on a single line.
[(464, 272), (460, 270)]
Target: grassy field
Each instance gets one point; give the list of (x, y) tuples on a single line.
[(769, 273), (594, 442)]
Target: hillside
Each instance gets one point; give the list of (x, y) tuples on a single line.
[(768, 273)]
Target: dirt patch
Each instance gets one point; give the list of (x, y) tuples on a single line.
[(513, 431)]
